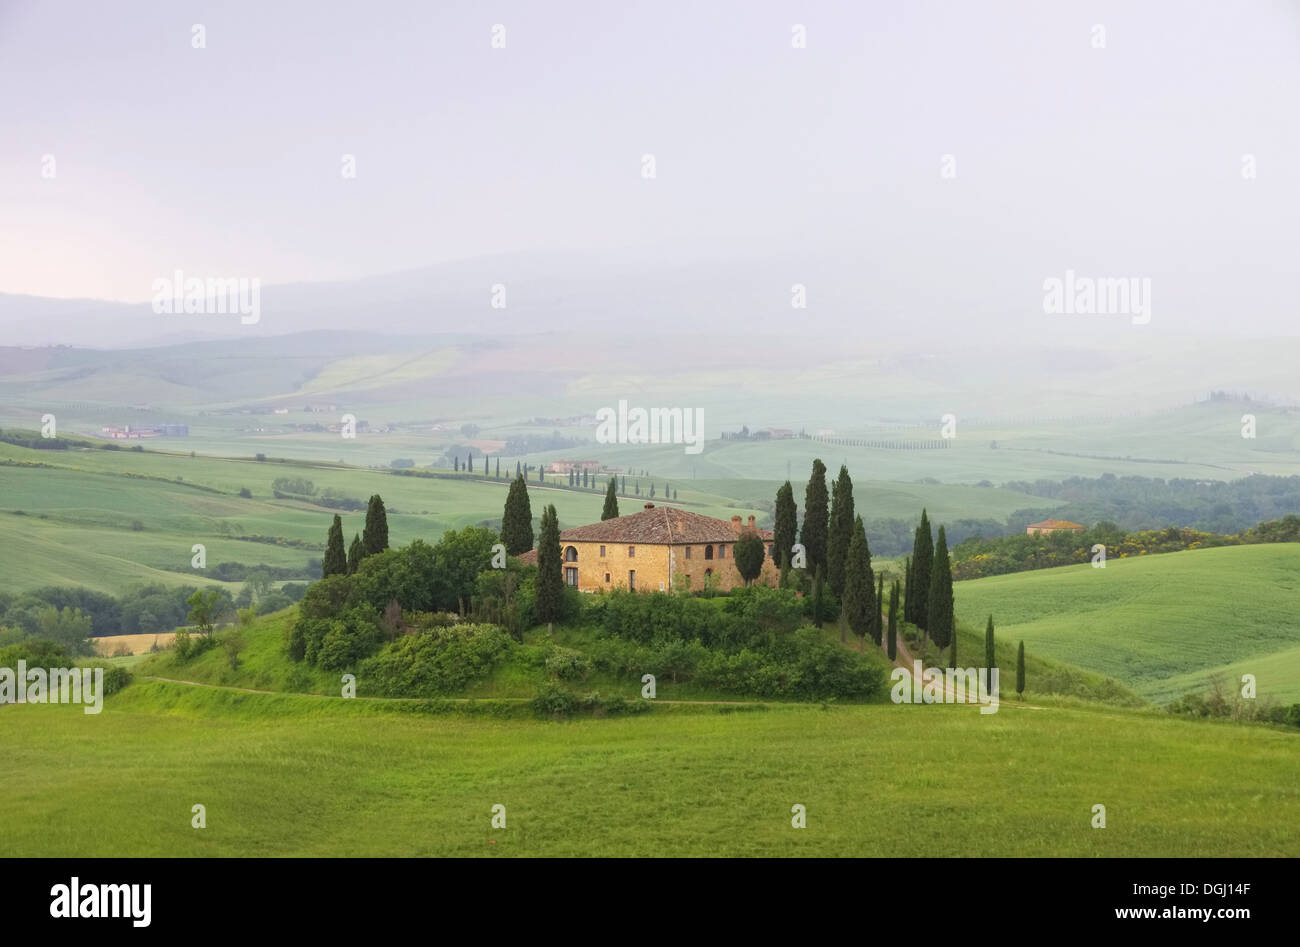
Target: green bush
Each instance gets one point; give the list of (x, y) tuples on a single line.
[(552, 700), (566, 664), (435, 663)]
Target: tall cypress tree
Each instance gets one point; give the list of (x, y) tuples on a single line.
[(908, 604), (336, 559), (990, 658), (816, 517), (952, 651), (784, 530), (356, 552), (517, 519), (610, 512), (859, 585), (1020, 672), (549, 602), (498, 473), (455, 463), (817, 595), (939, 605), (374, 538), (922, 560), (840, 532), (893, 621), (877, 627), (469, 462)]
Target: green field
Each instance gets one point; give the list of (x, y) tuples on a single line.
[(1158, 624), (285, 775)]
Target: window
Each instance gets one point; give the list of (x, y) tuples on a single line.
[(722, 551), (631, 552), (571, 576), (688, 552), (570, 554), (606, 576), (770, 554), (631, 579), (602, 552), (708, 552)]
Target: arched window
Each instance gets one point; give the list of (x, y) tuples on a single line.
[(570, 554), (708, 552)]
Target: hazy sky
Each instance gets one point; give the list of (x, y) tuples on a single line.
[(1125, 160)]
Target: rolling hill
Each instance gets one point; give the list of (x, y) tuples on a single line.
[(1160, 624)]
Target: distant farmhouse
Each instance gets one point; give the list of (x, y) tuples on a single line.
[(565, 466), (644, 551), (1054, 526)]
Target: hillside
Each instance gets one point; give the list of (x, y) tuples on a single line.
[(1160, 624)]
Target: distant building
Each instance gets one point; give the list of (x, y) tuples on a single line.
[(564, 466), (643, 551), (1054, 526)]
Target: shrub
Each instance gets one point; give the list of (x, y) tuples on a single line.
[(437, 662), (566, 664), (552, 700)]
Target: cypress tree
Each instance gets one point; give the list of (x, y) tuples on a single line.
[(939, 605), (893, 621), (859, 586), (374, 537), (990, 659), (952, 651), (787, 518), (550, 583), (623, 489), (518, 470), (907, 590), (570, 476), (816, 517), (584, 477), (469, 462), (922, 560), (455, 462), (336, 559), (356, 552), (498, 473), (674, 494), (610, 511), (876, 618), (517, 519), (817, 596), (840, 532), (1020, 672)]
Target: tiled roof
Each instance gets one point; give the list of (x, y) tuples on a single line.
[(529, 557), (1056, 524), (664, 525)]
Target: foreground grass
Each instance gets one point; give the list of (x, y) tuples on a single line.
[(294, 775)]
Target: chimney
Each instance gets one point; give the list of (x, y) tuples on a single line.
[(735, 523), (649, 506), (751, 522)]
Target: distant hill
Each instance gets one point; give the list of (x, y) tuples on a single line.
[(1160, 624)]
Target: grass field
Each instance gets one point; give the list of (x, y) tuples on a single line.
[(1158, 623), (285, 775)]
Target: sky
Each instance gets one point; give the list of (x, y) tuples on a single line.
[(965, 151)]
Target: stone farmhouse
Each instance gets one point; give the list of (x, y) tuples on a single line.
[(644, 551)]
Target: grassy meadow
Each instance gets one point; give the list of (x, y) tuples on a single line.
[(1159, 624), (285, 775)]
